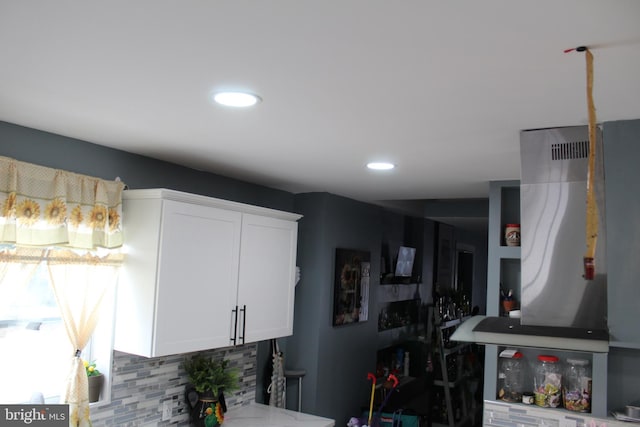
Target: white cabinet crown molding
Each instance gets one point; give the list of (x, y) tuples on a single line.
[(179, 196)]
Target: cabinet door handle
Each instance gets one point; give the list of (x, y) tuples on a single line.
[(244, 322), (234, 312)]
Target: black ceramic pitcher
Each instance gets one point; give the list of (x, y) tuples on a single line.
[(205, 409)]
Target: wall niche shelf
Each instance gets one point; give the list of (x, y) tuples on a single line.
[(508, 252), (503, 270)]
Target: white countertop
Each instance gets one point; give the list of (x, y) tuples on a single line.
[(258, 415)]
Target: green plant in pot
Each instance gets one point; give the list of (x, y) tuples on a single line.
[(209, 378), (95, 380)]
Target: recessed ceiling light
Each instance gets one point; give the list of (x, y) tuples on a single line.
[(236, 99), (380, 166)]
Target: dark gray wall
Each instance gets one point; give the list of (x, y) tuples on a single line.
[(622, 157), (336, 359), (136, 171)]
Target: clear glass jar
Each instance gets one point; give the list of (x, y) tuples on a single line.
[(511, 377), (576, 385), (548, 382)]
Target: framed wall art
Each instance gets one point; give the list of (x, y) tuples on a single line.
[(351, 287)]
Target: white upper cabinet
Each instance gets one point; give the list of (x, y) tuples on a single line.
[(203, 273)]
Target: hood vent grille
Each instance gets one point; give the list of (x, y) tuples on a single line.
[(570, 150)]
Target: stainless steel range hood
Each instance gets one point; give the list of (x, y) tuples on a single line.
[(559, 308)]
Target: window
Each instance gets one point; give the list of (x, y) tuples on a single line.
[(35, 351), (44, 207)]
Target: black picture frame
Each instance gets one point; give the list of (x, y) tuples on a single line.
[(351, 286)]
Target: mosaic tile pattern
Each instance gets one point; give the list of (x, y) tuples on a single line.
[(502, 414), (140, 385)]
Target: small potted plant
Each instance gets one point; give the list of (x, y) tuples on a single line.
[(95, 378), (209, 379)]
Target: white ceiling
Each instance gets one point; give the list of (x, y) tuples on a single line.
[(441, 88)]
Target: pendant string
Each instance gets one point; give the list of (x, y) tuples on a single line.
[(591, 230)]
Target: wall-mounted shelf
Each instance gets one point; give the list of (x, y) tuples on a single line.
[(508, 252), (454, 350), (398, 314), (452, 384), (623, 344), (449, 323)]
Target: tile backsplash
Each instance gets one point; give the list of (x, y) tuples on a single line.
[(502, 414), (140, 385)]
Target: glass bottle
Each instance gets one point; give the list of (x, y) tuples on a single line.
[(548, 381), (576, 385)]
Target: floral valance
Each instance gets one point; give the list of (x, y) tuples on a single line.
[(48, 207)]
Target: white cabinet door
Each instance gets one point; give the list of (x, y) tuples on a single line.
[(179, 281), (267, 277), (197, 277)]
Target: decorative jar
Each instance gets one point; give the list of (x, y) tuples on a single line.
[(548, 382), (576, 385), (511, 376)]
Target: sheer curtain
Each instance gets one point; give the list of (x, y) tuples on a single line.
[(65, 212), (79, 284), (16, 270)]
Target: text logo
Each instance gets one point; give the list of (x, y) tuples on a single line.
[(36, 415)]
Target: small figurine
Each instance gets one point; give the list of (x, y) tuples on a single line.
[(354, 422)]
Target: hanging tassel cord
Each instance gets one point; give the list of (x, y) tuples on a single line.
[(592, 208), (589, 258)]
